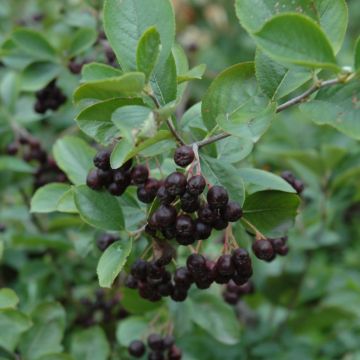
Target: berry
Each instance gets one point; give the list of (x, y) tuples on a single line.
[(217, 197), (169, 232), (121, 178), (139, 269), (219, 223), (164, 196), (102, 160), (136, 348), (232, 212), (131, 282), (12, 148), (182, 277), (196, 185), (116, 189), (106, 176), (174, 353), (240, 258), (179, 294), (283, 250), (139, 174), (93, 180), (224, 265), (127, 165), (206, 215), (152, 187), (202, 230), (144, 195), (189, 203), (176, 183), (184, 225), (231, 298), (299, 186), (105, 240), (196, 264), (166, 215), (169, 341), (155, 342), (263, 250), (185, 239), (184, 156)]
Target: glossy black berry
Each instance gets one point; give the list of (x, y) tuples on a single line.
[(185, 239), (169, 232), (121, 178), (155, 342), (169, 341), (240, 257), (116, 189), (196, 185), (189, 203), (102, 160), (224, 265), (144, 195), (139, 174), (196, 264), (93, 180), (164, 196), (127, 165), (232, 211), (182, 277), (184, 156), (231, 297), (174, 353), (263, 250), (139, 269), (282, 251), (166, 215), (137, 348), (106, 176), (206, 214), (179, 294), (219, 223), (202, 230), (152, 186), (176, 183), (217, 197), (184, 225)]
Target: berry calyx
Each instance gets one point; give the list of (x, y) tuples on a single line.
[(184, 156)]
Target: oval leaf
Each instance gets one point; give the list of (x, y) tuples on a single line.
[(46, 198)]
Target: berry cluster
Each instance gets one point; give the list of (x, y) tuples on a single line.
[(153, 281), (297, 184), (49, 98), (267, 249), (161, 348), (31, 150), (233, 292), (105, 240), (103, 309)]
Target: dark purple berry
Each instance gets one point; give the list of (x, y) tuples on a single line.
[(166, 215), (144, 195), (184, 155), (137, 348), (102, 159), (202, 230), (179, 294), (232, 211), (189, 203), (169, 341), (131, 282), (196, 185), (105, 240), (196, 264), (182, 277), (282, 251), (106, 176), (231, 297), (219, 223), (139, 269), (169, 232), (164, 196), (116, 189), (217, 197), (139, 174), (155, 342), (185, 239), (93, 180), (12, 148), (176, 183), (224, 265), (174, 353), (184, 225), (206, 215), (263, 250)]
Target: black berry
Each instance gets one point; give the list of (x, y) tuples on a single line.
[(93, 180), (263, 250), (217, 197), (139, 174), (166, 215), (232, 211), (137, 348), (155, 342), (102, 160), (184, 156), (176, 183), (202, 230), (196, 185)]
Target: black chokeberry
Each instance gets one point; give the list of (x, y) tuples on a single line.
[(219, 223), (139, 269), (217, 197), (174, 353), (182, 277), (164, 196), (169, 232), (206, 214), (139, 174), (12, 148), (240, 257), (106, 176), (166, 215), (176, 183), (116, 189), (102, 159), (152, 186), (137, 348), (196, 185), (179, 294), (232, 211), (131, 282), (169, 341), (189, 203), (196, 264), (202, 230), (184, 225), (121, 177), (155, 342), (93, 180), (184, 155), (231, 297), (224, 265), (263, 250), (144, 195)]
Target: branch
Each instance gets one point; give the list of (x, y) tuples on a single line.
[(296, 100)]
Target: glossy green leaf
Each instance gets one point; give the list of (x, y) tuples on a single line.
[(95, 120), (39, 241), (9, 89), (216, 318), (75, 157), (331, 15), (148, 51), (8, 298), (275, 80), (97, 71), (357, 54), (258, 180), (99, 209), (112, 261), (217, 172), (130, 329), (298, 40), (81, 41), (125, 21), (123, 151), (34, 44), (9, 163), (90, 344), (195, 73), (271, 212), (66, 203), (234, 149), (37, 75), (127, 85), (46, 198), (338, 107)]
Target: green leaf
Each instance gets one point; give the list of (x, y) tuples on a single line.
[(8, 298), (66, 203), (131, 328), (234, 149), (75, 157), (220, 173), (195, 73), (216, 317), (125, 21), (61, 356), (298, 40), (124, 151), (257, 180), (97, 71), (99, 209), (234, 91), (9, 163), (112, 261), (90, 344), (13, 324), (275, 80), (34, 43), (271, 212), (95, 120), (338, 107), (37, 75), (135, 304), (9, 89), (46, 198), (331, 15), (127, 85), (357, 54), (81, 41), (27, 241), (148, 51)]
